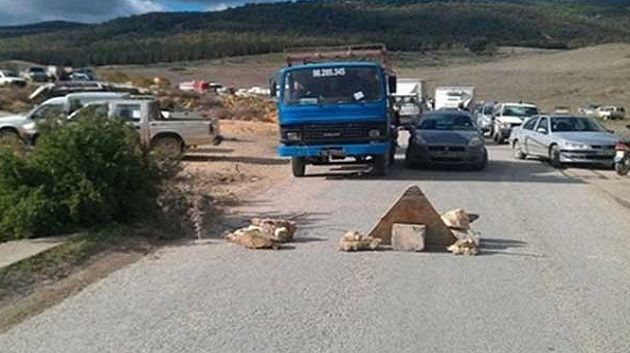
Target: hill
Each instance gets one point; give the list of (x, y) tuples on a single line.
[(262, 28)]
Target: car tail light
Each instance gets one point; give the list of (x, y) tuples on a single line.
[(622, 147)]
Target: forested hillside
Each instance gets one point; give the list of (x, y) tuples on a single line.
[(260, 28)]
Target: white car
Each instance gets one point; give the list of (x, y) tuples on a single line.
[(508, 116), (610, 112), (10, 78)]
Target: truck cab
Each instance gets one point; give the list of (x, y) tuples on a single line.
[(334, 111)]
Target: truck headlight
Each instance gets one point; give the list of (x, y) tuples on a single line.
[(293, 136), (374, 133), (506, 125)]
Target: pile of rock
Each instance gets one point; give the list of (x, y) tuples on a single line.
[(467, 240), (355, 241), (264, 233)]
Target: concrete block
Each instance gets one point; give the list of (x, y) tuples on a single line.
[(408, 237)]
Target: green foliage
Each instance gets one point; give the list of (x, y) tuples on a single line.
[(90, 172), (261, 28)]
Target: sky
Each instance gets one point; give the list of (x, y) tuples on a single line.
[(16, 12)]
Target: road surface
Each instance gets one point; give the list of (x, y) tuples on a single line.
[(553, 276)]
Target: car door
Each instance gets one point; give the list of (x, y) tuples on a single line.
[(539, 139)]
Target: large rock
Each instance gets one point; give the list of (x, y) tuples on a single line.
[(253, 237), (466, 244), (280, 229), (457, 219), (408, 237), (355, 241)]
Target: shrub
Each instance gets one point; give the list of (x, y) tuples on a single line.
[(90, 172)]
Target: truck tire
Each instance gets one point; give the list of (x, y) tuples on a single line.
[(168, 146), (298, 166), (380, 165)]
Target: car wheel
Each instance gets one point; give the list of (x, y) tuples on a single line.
[(518, 151), (298, 166), (554, 157), (167, 146), (483, 164), (10, 137)]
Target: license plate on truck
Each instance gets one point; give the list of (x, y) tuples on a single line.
[(333, 152)]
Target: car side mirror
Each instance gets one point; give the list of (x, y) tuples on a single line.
[(273, 89), (391, 82), (541, 130)]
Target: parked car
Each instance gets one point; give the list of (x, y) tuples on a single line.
[(10, 78), (564, 139), (508, 116), (447, 137), (562, 110), (35, 74), (588, 110), (483, 117), (170, 136), (78, 76), (610, 112), (24, 126)]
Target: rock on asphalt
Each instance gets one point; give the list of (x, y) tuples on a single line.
[(553, 275)]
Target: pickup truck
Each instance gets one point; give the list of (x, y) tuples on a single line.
[(10, 78), (171, 136)]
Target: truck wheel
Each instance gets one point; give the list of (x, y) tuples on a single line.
[(554, 157), (380, 165), (298, 166), (168, 146)]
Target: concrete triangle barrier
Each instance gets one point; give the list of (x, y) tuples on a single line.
[(414, 208)]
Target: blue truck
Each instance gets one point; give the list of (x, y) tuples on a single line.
[(332, 109)]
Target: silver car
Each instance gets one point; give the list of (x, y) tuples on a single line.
[(447, 137), (564, 139)]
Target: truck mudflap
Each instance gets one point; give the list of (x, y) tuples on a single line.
[(353, 150)]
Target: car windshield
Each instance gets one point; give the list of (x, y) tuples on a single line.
[(36, 69), (520, 111), (575, 124), (446, 122), (332, 85)]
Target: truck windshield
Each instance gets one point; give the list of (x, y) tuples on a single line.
[(332, 85)]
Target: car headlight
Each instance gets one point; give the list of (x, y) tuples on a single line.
[(30, 127), (506, 125), (475, 142), (374, 133), (293, 136), (575, 145)]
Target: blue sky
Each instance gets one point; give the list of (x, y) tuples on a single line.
[(15, 12)]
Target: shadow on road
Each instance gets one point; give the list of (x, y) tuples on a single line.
[(495, 246), (238, 159)]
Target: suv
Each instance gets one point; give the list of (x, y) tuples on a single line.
[(508, 116)]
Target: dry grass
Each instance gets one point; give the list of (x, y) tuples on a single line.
[(15, 100)]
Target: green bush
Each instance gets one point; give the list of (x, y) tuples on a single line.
[(88, 173)]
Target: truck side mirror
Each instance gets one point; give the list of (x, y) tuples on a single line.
[(391, 82)]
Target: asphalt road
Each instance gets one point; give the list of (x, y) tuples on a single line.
[(553, 276)]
